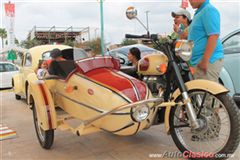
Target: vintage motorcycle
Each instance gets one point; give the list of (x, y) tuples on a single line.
[(164, 73), (199, 114)]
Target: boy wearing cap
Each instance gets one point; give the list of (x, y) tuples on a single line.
[(204, 31), (54, 69), (182, 19)]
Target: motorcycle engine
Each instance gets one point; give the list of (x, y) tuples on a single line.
[(155, 83)]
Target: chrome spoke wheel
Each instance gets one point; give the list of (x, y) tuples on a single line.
[(214, 120)]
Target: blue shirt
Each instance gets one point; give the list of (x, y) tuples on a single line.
[(206, 22)]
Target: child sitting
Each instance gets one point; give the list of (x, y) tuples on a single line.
[(42, 69)]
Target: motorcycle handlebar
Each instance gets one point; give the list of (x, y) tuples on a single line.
[(136, 36), (145, 36)]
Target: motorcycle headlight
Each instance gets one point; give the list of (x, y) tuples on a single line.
[(183, 49), (140, 113)]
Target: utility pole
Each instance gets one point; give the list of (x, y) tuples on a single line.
[(147, 21), (102, 28)]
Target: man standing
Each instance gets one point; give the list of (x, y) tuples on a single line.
[(204, 31)]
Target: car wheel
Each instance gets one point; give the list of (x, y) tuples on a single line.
[(17, 97)]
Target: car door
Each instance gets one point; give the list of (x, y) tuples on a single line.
[(7, 70), (8, 74), (25, 70), (232, 59), (3, 81)]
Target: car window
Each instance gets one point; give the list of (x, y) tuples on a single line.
[(119, 55), (232, 44), (2, 68), (46, 55), (28, 60), (10, 67), (7, 67)]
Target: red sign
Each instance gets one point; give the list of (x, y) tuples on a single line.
[(10, 9), (184, 4)]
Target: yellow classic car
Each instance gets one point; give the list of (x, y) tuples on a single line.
[(29, 65)]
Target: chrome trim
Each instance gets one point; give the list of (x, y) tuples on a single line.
[(92, 58), (119, 108), (80, 103), (91, 107), (190, 112)]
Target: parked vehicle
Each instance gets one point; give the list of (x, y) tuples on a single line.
[(229, 75), (7, 70), (122, 52), (102, 98)]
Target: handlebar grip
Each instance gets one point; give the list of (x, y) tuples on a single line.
[(136, 36)]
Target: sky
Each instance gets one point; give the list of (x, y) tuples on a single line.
[(86, 13)]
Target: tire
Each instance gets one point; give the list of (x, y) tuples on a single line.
[(26, 94), (17, 97), (233, 139), (45, 138)]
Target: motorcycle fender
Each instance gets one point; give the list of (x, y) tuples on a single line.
[(41, 96), (17, 83), (210, 86)]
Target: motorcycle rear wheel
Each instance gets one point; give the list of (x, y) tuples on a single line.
[(207, 137)]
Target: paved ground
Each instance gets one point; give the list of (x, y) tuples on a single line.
[(96, 146)]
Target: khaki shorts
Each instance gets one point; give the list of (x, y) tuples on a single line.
[(213, 71)]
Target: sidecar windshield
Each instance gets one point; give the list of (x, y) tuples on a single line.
[(86, 65), (69, 54), (74, 54)]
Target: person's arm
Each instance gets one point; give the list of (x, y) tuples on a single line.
[(210, 47), (211, 25)]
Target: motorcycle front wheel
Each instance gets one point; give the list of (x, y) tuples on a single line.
[(219, 134)]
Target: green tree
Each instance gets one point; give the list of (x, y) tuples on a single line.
[(29, 43), (3, 35), (127, 42), (94, 45), (16, 41), (69, 42)]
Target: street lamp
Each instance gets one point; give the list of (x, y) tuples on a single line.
[(147, 20)]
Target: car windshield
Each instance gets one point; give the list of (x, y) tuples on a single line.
[(122, 52), (5, 67)]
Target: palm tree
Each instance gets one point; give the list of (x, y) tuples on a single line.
[(3, 35)]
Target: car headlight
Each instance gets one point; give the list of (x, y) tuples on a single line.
[(140, 113), (183, 49)]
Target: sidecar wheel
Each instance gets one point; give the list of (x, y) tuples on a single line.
[(45, 138), (216, 139)]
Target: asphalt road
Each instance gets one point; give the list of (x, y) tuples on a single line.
[(97, 146)]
